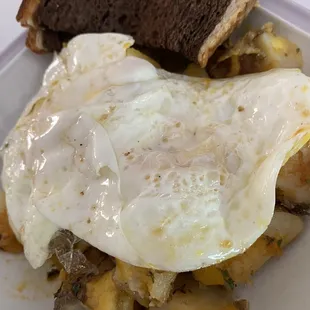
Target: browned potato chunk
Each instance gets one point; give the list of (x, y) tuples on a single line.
[(283, 229), (278, 52), (8, 241), (103, 294), (256, 51), (192, 296), (148, 287)]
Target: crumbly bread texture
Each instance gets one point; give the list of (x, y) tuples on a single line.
[(192, 28)]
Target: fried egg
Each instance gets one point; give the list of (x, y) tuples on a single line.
[(160, 170)]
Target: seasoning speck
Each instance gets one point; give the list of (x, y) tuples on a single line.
[(82, 193), (240, 108), (21, 287)]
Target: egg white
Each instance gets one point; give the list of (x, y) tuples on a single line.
[(157, 169)]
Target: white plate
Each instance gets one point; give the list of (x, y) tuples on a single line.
[(281, 285)]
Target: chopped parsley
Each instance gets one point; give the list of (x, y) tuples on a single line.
[(152, 276), (228, 280)]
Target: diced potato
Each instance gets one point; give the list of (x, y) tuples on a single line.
[(160, 290), (103, 294), (283, 229), (135, 53), (209, 276), (8, 241), (195, 71), (148, 287), (256, 51), (192, 296), (278, 51)]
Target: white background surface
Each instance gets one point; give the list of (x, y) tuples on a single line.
[(9, 29)]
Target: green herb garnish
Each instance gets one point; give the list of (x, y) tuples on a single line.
[(228, 280), (152, 276)]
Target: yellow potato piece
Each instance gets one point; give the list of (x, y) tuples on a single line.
[(278, 51), (283, 229), (103, 294), (8, 241), (148, 287), (192, 296), (257, 51), (209, 276)]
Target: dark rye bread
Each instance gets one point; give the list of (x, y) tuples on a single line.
[(193, 28)]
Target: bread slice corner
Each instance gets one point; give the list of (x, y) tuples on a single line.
[(234, 15)]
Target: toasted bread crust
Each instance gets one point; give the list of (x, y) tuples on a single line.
[(26, 13), (234, 15), (26, 17), (34, 41), (224, 29)]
